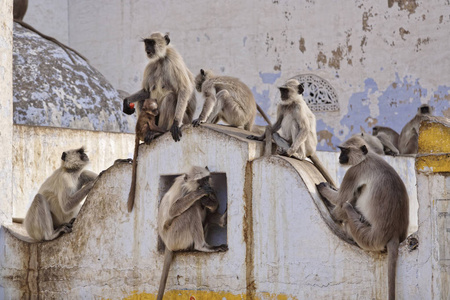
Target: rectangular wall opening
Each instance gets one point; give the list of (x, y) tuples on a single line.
[(216, 235)]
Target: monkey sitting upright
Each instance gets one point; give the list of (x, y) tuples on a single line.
[(168, 80), (298, 137), (226, 98), (181, 217), (58, 199), (372, 203), (146, 130), (408, 141)]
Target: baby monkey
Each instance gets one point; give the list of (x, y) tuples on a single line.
[(146, 130)]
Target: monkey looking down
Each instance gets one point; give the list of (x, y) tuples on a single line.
[(388, 137), (372, 203), (58, 199), (226, 98), (297, 126), (168, 80), (146, 130), (182, 214)]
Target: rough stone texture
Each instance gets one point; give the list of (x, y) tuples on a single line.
[(52, 90), (384, 58), (37, 153), (280, 248), (6, 110)]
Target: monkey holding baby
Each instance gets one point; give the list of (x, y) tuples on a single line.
[(168, 80), (372, 203)]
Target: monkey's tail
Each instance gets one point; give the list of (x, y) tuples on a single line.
[(263, 114), (392, 249), (322, 170), (168, 257), (132, 193)]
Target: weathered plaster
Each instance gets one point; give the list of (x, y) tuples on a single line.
[(6, 111)]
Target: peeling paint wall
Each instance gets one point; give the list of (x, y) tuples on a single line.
[(6, 110), (37, 153), (384, 58)]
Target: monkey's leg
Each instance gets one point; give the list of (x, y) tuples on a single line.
[(328, 192), (210, 109), (85, 177), (196, 228), (40, 223), (361, 230)]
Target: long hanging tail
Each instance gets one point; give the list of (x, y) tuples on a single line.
[(322, 170), (168, 257), (392, 249), (132, 192), (263, 114)]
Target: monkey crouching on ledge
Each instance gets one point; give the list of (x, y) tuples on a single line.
[(57, 202), (168, 80), (182, 214), (297, 126), (372, 203), (146, 130)]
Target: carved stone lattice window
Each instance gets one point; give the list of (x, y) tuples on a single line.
[(319, 94)]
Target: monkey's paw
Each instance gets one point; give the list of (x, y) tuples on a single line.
[(197, 122), (221, 248), (149, 137), (254, 138), (176, 131), (126, 107)]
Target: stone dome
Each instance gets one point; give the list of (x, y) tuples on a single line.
[(51, 89)]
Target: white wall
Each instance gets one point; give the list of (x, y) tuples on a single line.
[(383, 60)]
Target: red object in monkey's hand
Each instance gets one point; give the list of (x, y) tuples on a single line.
[(131, 105)]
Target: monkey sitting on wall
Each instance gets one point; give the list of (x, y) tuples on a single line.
[(388, 138), (226, 98), (298, 137), (408, 142), (168, 80), (181, 217), (58, 199), (372, 203), (146, 130)]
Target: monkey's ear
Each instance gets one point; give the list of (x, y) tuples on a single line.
[(207, 168), (202, 72), (364, 149), (166, 37), (300, 89), (185, 177), (63, 156)]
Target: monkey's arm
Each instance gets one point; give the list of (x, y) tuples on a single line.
[(272, 129), (85, 177), (183, 98), (328, 192), (185, 202), (69, 202), (138, 96), (210, 101)]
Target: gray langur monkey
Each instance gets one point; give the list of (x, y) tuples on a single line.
[(168, 80), (298, 137), (228, 99), (408, 142), (181, 217), (57, 202), (388, 137), (373, 143), (372, 203)]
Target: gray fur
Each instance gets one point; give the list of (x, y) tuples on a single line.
[(182, 213), (372, 203), (388, 137), (226, 98), (408, 142), (372, 142), (58, 199)]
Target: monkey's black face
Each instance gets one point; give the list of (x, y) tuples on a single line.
[(425, 110), (150, 47), (204, 184), (343, 158), (284, 93)]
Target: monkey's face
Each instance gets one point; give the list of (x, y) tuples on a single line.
[(352, 155), (205, 184), (285, 93), (74, 159), (151, 107), (155, 45), (199, 79)]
